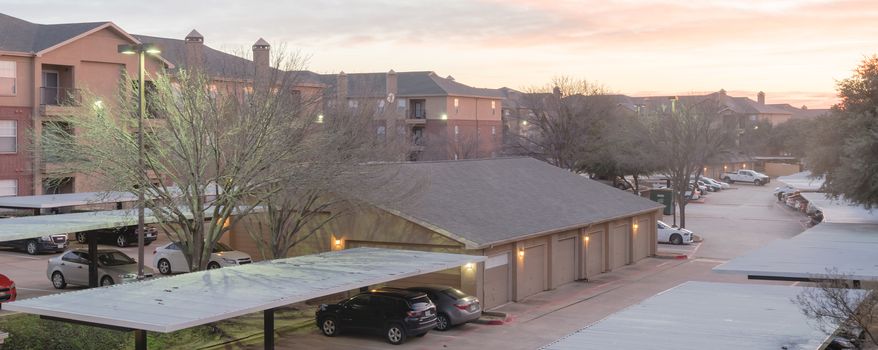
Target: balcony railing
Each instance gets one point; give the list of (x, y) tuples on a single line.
[(418, 114), (59, 96)]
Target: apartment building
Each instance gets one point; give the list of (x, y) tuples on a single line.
[(44, 69), (440, 117)]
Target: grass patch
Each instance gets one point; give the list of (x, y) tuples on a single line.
[(29, 332)]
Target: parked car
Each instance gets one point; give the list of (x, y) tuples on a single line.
[(453, 307), (673, 234), (7, 290), (395, 313), (44, 244), (120, 236), (169, 258), (744, 175), (72, 268), (722, 185), (712, 187), (782, 192), (692, 193)]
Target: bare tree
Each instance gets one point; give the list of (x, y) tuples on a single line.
[(241, 134), (317, 190), (684, 138), (832, 304), (567, 123)]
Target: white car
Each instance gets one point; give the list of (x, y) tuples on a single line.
[(170, 259), (721, 184), (673, 235)]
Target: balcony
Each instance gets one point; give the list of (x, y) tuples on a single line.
[(416, 117), (57, 101)]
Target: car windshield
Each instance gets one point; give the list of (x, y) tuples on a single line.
[(220, 247), (455, 293), (114, 259), (420, 302), (663, 225)]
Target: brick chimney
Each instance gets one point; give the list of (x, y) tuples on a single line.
[(760, 97), (392, 87), (194, 50), (341, 86), (261, 57)]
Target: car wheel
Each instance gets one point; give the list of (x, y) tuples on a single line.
[(676, 239), (395, 334), (31, 247), (213, 265), (107, 281), (442, 322), (329, 327), (121, 241), (58, 280), (164, 266), (80, 237)]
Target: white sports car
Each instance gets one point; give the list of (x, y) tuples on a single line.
[(673, 235)]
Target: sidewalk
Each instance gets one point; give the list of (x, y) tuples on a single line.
[(570, 294)]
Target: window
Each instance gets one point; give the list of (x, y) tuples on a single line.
[(8, 136), (8, 188), (456, 106), (380, 106), (400, 105), (493, 130), (353, 103), (7, 78), (382, 130), (456, 130), (493, 107)]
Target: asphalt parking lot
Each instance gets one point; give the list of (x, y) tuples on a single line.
[(29, 271)]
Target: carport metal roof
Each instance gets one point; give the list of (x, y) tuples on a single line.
[(172, 303), (49, 201), (42, 225), (802, 181), (849, 248), (704, 315), (841, 211)]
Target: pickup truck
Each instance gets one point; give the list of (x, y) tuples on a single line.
[(743, 175)]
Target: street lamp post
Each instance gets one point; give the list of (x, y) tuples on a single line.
[(141, 50)]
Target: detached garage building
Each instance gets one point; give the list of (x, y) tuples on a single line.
[(538, 225)]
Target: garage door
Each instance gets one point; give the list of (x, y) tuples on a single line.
[(594, 254), (450, 277), (641, 239), (496, 280), (534, 274), (619, 246), (564, 266)]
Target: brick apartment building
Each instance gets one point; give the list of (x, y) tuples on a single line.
[(441, 118), (43, 69)]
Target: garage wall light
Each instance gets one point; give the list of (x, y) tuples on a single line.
[(521, 253), (586, 238), (745, 166), (636, 226), (469, 266), (338, 242)]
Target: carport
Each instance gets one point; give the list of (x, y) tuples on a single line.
[(27, 227), (55, 201), (802, 181), (704, 315), (173, 303), (849, 248), (840, 210)]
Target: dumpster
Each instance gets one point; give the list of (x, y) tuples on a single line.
[(665, 197)]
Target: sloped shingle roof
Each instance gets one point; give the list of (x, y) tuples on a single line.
[(491, 201), (423, 83), (18, 35), (217, 63)]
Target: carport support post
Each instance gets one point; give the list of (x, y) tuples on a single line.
[(268, 324), (92, 239), (139, 339)]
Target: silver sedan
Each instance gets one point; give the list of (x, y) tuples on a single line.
[(72, 268)]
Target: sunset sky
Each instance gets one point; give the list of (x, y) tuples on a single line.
[(794, 50)]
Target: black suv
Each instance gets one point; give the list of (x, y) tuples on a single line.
[(396, 313), (121, 236)]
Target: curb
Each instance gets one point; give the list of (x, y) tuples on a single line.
[(495, 318), (672, 257)]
